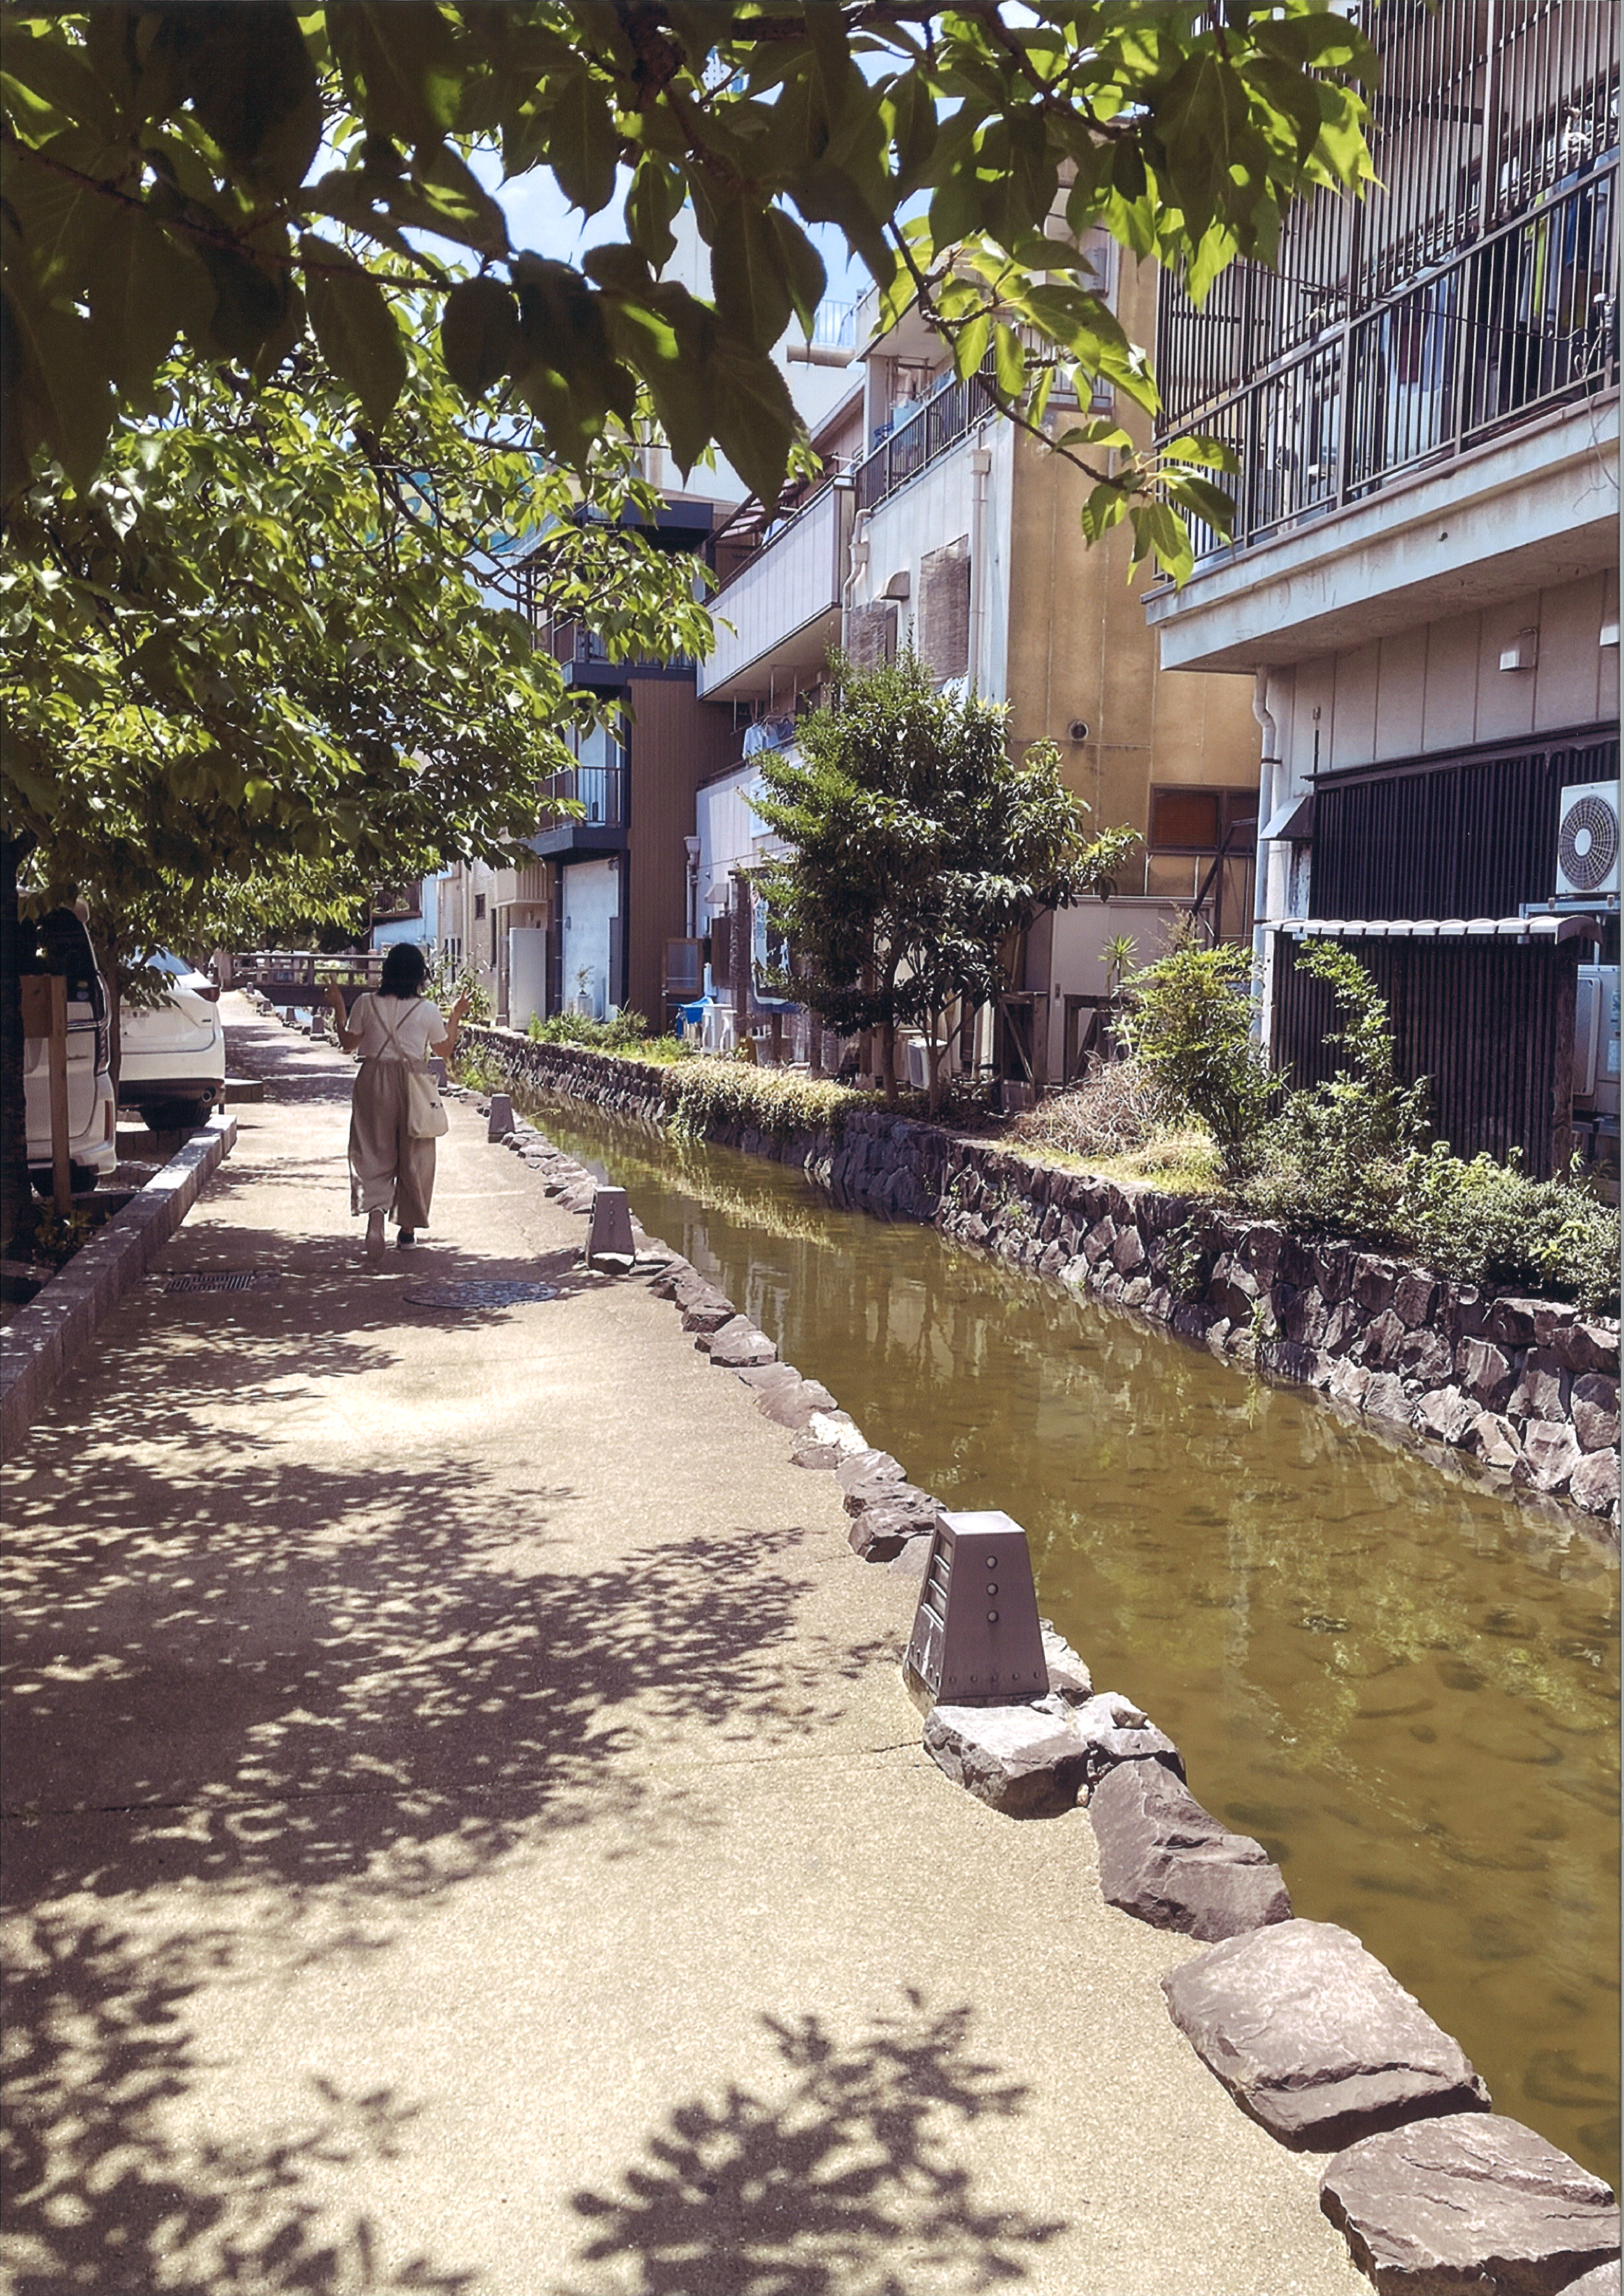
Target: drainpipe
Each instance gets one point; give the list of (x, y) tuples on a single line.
[(1270, 779), (981, 464), (856, 563)]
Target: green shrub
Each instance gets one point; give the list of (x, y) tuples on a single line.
[(1349, 1158), (1479, 1222), (1189, 1026), (622, 1032), (449, 980), (711, 1093)]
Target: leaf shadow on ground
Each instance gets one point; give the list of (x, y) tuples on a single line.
[(104, 2195), (848, 2181)]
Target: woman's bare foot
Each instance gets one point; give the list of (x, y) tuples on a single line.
[(375, 1236)]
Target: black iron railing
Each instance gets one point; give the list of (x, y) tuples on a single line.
[(1473, 288), (600, 788), (937, 424)]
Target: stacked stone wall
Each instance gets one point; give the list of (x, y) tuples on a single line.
[(1526, 1386)]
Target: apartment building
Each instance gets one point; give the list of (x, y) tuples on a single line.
[(938, 526), (1422, 579)]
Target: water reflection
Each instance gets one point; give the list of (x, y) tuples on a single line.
[(1405, 1688)]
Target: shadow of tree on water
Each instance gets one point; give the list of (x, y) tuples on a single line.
[(850, 2184), (101, 2195)]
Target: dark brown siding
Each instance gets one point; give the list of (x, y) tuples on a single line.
[(1489, 1022), (1454, 837), (675, 743)]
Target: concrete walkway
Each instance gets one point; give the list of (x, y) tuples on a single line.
[(466, 1832)]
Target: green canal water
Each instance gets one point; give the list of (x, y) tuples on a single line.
[(1404, 1687)]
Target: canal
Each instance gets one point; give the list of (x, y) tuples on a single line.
[(1404, 1687)]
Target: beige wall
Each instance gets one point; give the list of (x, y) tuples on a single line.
[(1440, 686), (1079, 647), (677, 742)]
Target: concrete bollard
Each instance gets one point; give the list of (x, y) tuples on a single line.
[(976, 1638), (609, 1244), (501, 1116)]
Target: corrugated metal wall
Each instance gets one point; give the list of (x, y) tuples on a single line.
[(1452, 837), (1489, 1022)]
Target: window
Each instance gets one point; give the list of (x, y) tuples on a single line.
[(1199, 820), (478, 907)]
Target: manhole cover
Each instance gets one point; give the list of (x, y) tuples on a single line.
[(475, 1295), (224, 1279)]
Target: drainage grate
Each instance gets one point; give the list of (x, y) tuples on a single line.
[(224, 1279), (475, 1295)]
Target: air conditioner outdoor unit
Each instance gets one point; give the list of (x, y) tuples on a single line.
[(1587, 841)]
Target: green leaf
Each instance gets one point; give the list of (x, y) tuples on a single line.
[(144, 288), (252, 83), (403, 64), (355, 327), (478, 334), (747, 275), (1009, 362), (583, 144), (460, 205), (755, 417), (802, 265), (654, 198)]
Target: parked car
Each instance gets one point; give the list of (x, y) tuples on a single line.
[(172, 1060), (62, 945)]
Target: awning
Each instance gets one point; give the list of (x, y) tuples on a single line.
[(1524, 929), (1294, 819)]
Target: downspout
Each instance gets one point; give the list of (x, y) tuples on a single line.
[(981, 464), (1269, 780), (856, 563)]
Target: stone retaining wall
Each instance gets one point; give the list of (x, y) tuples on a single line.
[(1527, 1387)]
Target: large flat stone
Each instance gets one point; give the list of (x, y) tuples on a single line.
[(1471, 2200), (1023, 1763), (1594, 1482), (737, 1344), (707, 1311), (883, 1525), (1314, 2039), (1166, 1861)]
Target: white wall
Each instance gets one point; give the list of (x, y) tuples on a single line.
[(932, 509), (591, 896), (728, 828), (527, 973)]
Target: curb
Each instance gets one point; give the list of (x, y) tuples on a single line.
[(47, 1337)]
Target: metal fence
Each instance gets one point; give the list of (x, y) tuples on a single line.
[(1473, 288), (600, 788), (939, 422)]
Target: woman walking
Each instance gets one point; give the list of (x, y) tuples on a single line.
[(391, 1168)]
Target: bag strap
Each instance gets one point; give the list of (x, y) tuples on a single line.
[(389, 1031)]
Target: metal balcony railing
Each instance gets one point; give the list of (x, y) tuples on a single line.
[(1470, 292), (936, 424), (600, 790)]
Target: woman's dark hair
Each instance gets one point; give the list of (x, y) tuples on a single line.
[(405, 970)]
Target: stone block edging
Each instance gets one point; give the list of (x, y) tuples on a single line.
[(1334, 2062), (47, 1337), (1527, 1389)]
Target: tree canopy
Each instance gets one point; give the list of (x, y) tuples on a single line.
[(260, 648), (916, 851), (238, 175)]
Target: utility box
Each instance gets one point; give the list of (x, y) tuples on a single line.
[(976, 1639)]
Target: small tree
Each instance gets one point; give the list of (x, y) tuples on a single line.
[(1190, 1023), (917, 851)]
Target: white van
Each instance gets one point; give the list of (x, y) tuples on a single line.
[(64, 950)]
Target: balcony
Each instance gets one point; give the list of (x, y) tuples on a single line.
[(601, 790), (783, 603), (1470, 298), (939, 422)]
